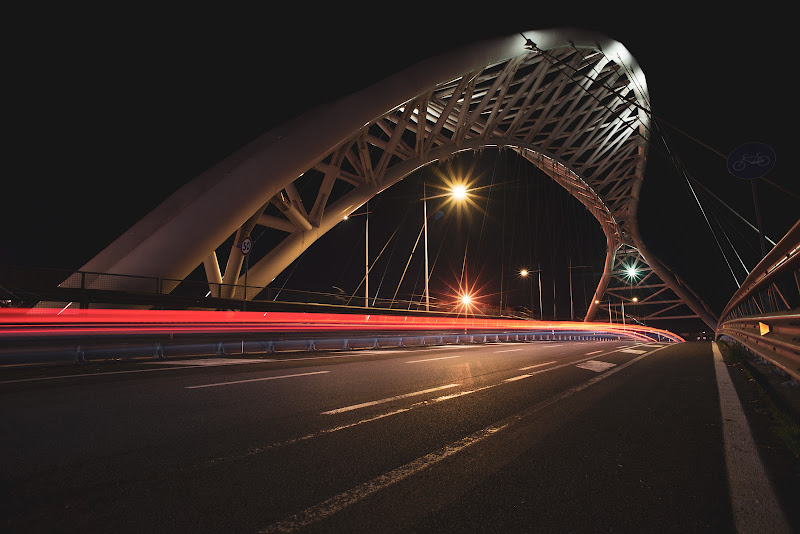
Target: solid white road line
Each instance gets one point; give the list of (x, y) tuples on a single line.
[(255, 380), (755, 507), (210, 362), (434, 359), (96, 374), (633, 351), (388, 399), (508, 350), (595, 352)]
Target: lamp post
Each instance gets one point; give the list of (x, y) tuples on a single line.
[(366, 251), (524, 274), (571, 302), (609, 310), (457, 192)]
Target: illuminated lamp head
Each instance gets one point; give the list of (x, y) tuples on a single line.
[(459, 192)]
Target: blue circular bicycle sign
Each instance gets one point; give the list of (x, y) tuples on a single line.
[(751, 160)]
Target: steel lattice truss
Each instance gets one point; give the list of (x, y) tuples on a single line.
[(636, 292), (570, 103)]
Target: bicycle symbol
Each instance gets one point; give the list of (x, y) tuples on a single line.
[(751, 159)]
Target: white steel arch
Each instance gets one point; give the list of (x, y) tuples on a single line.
[(571, 102)]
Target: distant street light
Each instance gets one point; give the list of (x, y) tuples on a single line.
[(609, 310)]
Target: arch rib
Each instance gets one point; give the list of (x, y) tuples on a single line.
[(564, 104)]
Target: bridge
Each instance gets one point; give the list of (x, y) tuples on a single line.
[(573, 104)]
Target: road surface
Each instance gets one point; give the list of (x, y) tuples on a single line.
[(543, 436)]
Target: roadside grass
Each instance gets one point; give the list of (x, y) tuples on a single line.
[(783, 424)]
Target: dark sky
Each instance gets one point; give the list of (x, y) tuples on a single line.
[(111, 112)]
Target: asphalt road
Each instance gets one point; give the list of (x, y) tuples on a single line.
[(544, 436)]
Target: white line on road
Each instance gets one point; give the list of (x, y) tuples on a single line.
[(508, 350), (595, 352), (60, 377), (347, 498), (434, 359), (537, 365), (755, 507), (388, 399), (255, 380), (633, 351), (515, 378), (427, 402), (210, 362)]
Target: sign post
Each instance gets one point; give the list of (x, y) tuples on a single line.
[(245, 246)]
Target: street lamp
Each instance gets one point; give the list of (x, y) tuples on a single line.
[(609, 310), (524, 274), (366, 251), (458, 192)]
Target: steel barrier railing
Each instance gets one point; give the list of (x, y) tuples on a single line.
[(774, 338), (764, 314), (36, 335)]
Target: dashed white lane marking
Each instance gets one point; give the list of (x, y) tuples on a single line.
[(515, 378), (596, 366), (347, 498), (507, 350), (633, 351), (434, 359), (755, 507), (595, 352), (255, 380), (537, 365), (388, 399)]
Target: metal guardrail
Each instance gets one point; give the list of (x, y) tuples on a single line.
[(37, 336), (764, 314), (774, 338)]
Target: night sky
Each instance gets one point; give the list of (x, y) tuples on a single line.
[(110, 114)]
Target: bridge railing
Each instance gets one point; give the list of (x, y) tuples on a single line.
[(55, 288), (764, 314)]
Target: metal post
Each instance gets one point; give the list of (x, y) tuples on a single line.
[(246, 268), (425, 216), (541, 308), (758, 220), (571, 304), (623, 313), (366, 259)]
